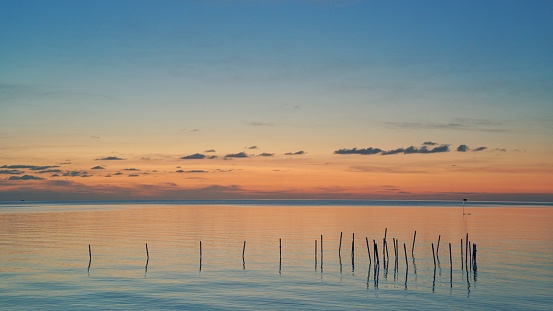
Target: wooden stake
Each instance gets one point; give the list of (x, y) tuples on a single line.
[(405, 251), (243, 249), (413, 248), (321, 251), (462, 255), (450, 258), (375, 247), (89, 256), (280, 247), (470, 257), (474, 257), (368, 250), (438, 246), (147, 254), (466, 252), (433, 255), (352, 244)]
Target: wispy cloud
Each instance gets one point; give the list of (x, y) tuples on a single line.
[(30, 167), (110, 159), (260, 123), (477, 125), (11, 172), (25, 177), (210, 151), (301, 152), (131, 169), (50, 171), (195, 156), (252, 147), (76, 174), (479, 149), (237, 155), (98, 167), (266, 154)]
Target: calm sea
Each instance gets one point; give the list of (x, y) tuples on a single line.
[(260, 255)]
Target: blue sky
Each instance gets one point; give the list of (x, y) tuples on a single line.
[(178, 77)]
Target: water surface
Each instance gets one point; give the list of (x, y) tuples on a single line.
[(44, 257)]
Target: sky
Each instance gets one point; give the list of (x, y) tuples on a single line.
[(220, 99)]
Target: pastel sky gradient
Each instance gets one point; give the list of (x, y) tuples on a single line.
[(116, 100)]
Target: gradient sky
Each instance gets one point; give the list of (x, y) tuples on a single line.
[(276, 99)]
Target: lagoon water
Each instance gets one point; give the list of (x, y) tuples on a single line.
[(44, 256)]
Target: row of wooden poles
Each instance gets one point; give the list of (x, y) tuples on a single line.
[(468, 253)]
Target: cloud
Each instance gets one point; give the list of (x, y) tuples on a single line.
[(195, 156), (210, 150), (110, 159), (408, 150), (295, 153), (25, 177), (365, 151), (134, 175), (76, 174), (260, 123), (131, 169), (462, 148), (424, 149), (478, 125), (98, 167), (117, 174), (11, 172), (31, 167), (50, 171), (265, 154), (45, 167), (237, 155), (429, 143), (479, 149), (394, 151), (252, 147)]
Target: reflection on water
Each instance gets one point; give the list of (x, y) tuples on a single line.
[(196, 257)]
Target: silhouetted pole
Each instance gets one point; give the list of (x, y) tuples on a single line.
[(352, 244), (474, 257), (368, 250), (467, 252), (200, 255), (405, 251), (462, 255), (280, 248), (89, 256), (321, 251), (375, 247), (438, 246), (413, 248), (147, 254), (433, 255), (385, 246), (450, 258)]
